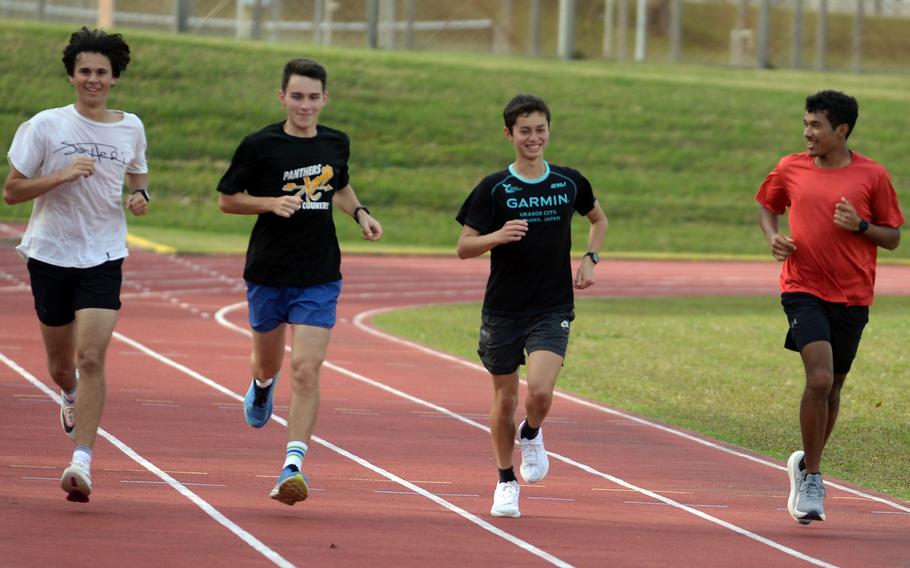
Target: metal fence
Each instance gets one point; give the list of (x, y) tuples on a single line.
[(858, 35)]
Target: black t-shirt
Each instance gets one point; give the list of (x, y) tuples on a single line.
[(534, 275), (301, 250)]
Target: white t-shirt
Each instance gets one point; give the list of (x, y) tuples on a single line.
[(79, 223)]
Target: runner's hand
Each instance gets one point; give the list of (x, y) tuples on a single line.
[(845, 215), (782, 246), (137, 204), (286, 205), (80, 167), (514, 230), (372, 230)]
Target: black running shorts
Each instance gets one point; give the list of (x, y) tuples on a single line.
[(813, 319), (60, 291), (504, 340)]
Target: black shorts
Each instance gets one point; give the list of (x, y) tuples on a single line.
[(504, 340), (60, 291), (813, 319)]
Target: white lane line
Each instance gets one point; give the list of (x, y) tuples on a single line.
[(220, 317), (359, 323), (524, 545), (246, 537)]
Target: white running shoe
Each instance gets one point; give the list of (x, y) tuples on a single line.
[(77, 482), (796, 475), (534, 462), (68, 413), (505, 500)]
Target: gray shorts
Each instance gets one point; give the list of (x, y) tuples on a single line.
[(504, 340)]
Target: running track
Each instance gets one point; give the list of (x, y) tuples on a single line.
[(401, 471)]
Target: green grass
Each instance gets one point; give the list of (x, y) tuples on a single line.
[(675, 153), (732, 380)]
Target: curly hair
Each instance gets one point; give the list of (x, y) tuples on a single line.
[(96, 41), (837, 106)]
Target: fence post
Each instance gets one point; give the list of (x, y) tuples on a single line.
[(42, 9), (502, 28), (858, 37), (566, 29), (105, 13), (410, 15), (608, 28), (373, 24), (675, 30), (821, 35), (387, 27), (181, 16), (641, 31), (796, 56), (534, 44), (622, 30), (257, 19), (764, 17), (276, 17)]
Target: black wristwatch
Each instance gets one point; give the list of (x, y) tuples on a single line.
[(358, 210), (863, 226), (595, 258), (142, 191)]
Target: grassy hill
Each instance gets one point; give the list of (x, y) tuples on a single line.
[(675, 154)]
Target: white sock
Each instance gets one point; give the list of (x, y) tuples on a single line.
[(295, 454), (264, 384), (83, 454), (70, 395)]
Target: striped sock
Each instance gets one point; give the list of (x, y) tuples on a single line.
[(83, 454), (295, 454)]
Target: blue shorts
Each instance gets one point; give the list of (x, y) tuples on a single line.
[(310, 305)]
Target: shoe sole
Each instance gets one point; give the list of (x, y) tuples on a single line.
[(71, 432), (509, 515), (77, 487), (292, 490), (801, 518)]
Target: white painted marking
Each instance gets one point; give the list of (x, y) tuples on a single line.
[(246, 537), (358, 322)]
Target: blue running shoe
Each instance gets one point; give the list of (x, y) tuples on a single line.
[(291, 487), (257, 404)]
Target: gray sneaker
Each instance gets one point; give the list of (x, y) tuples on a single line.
[(810, 504), (796, 472)]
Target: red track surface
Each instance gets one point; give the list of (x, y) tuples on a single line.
[(402, 472)]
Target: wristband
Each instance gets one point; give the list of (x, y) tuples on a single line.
[(144, 192), (358, 210)]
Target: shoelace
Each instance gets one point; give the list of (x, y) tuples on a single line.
[(529, 455), (814, 489)]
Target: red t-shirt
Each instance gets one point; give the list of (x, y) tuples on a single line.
[(834, 264)]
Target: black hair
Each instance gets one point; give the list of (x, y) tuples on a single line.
[(524, 105), (305, 68), (96, 41), (838, 108)]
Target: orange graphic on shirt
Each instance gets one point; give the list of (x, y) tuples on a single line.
[(312, 188)]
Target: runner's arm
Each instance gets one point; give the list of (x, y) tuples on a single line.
[(18, 188), (471, 243), (136, 202), (346, 200), (243, 203), (781, 245), (584, 276)]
